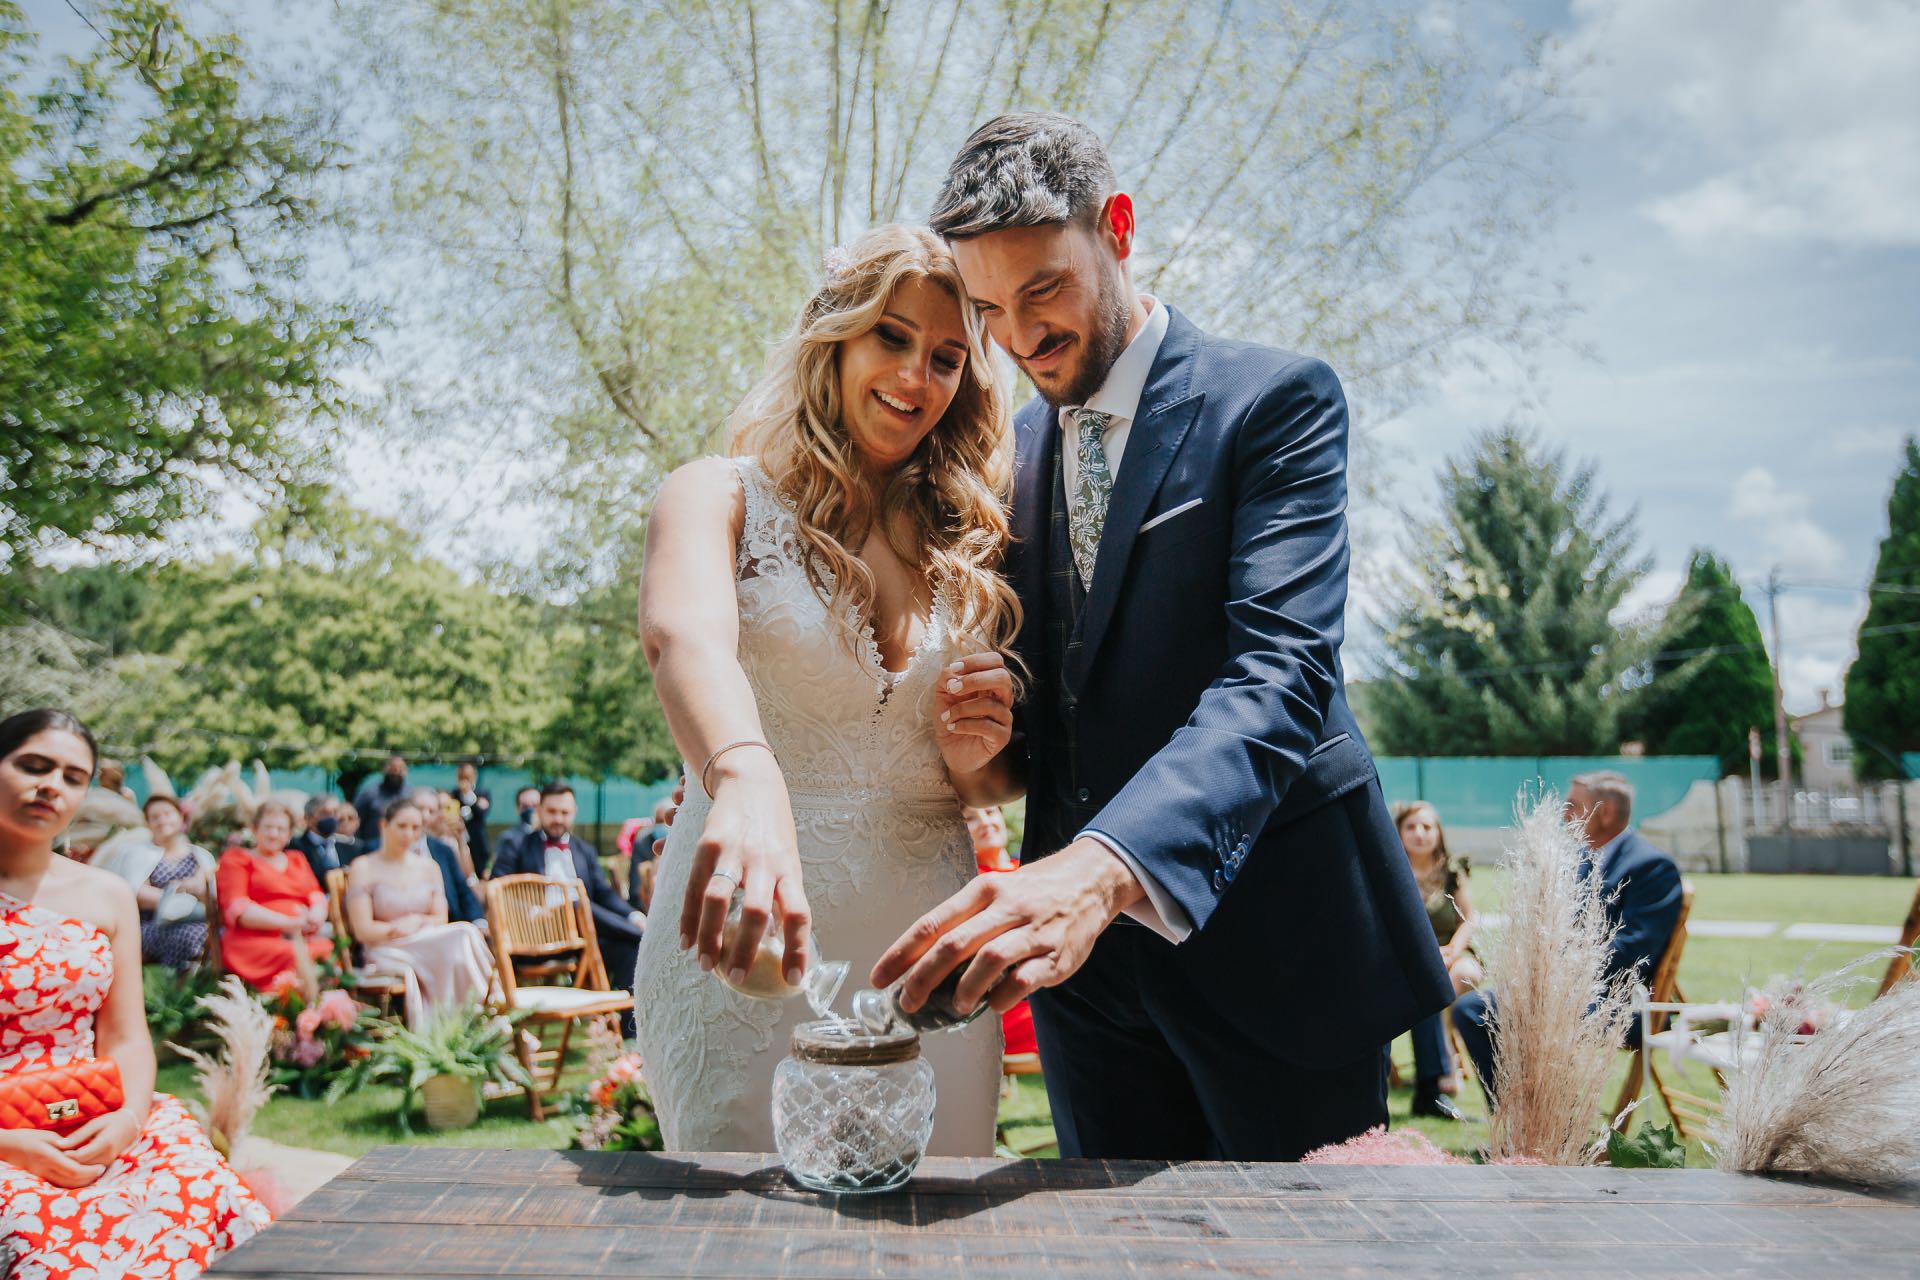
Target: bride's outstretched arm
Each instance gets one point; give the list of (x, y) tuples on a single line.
[(690, 627)]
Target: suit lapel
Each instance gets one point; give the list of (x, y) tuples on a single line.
[(1034, 430), (1167, 411)]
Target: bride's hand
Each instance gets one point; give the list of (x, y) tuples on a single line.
[(748, 841), (973, 712)]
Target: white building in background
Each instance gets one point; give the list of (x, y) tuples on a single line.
[(1826, 759)]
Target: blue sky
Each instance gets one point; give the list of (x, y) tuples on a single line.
[(1742, 235)]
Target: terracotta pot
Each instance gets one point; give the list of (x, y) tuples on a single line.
[(451, 1102)]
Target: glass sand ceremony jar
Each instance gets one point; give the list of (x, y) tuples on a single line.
[(852, 1109)]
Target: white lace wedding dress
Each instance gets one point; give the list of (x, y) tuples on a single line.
[(881, 837)]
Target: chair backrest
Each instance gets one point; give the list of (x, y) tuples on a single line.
[(1901, 965), (337, 904), (545, 922), (1664, 986)]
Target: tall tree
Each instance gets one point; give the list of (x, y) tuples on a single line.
[(1708, 682), (155, 332), (647, 187), (1504, 643), (332, 636), (1883, 685), (609, 722)]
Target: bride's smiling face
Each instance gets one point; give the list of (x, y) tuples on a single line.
[(897, 378)]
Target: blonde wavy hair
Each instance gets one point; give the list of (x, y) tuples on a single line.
[(952, 491)]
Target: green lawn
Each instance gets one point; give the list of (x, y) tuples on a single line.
[(1711, 969)]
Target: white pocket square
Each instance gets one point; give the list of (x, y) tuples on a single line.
[(1165, 516)]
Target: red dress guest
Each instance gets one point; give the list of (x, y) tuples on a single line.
[(988, 827), (269, 902)]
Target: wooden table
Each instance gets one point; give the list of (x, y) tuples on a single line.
[(418, 1212)]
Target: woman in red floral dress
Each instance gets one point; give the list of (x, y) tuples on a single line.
[(139, 1192)]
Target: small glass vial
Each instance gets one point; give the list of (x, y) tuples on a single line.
[(766, 977), (880, 1011), (852, 1112)]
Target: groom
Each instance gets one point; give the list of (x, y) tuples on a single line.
[(1213, 913)]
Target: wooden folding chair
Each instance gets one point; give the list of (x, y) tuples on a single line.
[(384, 990), (1663, 989), (1902, 964), (544, 928)]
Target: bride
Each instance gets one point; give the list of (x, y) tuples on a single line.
[(825, 622)]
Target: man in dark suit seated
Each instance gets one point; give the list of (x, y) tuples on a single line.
[(1642, 887), (318, 841), (551, 849)]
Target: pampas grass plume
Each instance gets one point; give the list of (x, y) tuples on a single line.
[(1842, 1103), (1557, 1019), (234, 1084)]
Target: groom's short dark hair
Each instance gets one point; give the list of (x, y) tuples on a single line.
[(1029, 169)]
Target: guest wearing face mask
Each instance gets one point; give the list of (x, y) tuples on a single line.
[(318, 842), (346, 837)]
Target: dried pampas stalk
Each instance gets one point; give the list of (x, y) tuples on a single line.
[(235, 1084), (1557, 1019), (1841, 1103)]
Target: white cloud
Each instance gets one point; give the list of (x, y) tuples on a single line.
[(1781, 526), (1797, 120)]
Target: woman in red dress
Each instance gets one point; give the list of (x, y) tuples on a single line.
[(136, 1192), (270, 903)]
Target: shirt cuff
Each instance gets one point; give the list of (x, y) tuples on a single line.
[(1160, 912)]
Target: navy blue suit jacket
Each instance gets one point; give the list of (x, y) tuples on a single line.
[(1642, 885), (462, 902), (1204, 724)]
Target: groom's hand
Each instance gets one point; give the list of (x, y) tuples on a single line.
[(1015, 932)]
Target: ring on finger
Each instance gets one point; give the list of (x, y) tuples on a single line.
[(726, 875)]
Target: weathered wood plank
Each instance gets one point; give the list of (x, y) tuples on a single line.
[(429, 1213)]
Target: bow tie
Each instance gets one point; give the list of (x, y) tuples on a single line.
[(551, 843)]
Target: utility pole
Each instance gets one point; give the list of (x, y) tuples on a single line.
[(1782, 749)]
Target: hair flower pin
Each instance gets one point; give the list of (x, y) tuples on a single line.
[(837, 261)]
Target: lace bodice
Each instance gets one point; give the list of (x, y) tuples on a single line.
[(881, 841), (838, 721)]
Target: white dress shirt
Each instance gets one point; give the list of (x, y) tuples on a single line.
[(1119, 398)]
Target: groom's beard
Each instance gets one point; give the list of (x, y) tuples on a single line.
[(1103, 346)]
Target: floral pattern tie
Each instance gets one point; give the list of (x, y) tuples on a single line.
[(1087, 513)]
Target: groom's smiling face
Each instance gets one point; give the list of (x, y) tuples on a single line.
[(1055, 299)]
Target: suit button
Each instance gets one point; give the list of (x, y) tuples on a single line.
[(1082, 795), (1219, 882)]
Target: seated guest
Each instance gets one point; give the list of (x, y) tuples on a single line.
[(1641, 885), (456, 881), (138, 1191), (526, 803), (552, 850), (1442, 880), (988, 827), (347, 844), (174, 893), (475, 805), (397, 908), (269, 903), (318, 842)]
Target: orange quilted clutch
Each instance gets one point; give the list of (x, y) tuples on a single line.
[(60, 1098)]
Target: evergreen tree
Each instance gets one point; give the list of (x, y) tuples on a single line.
[(1883, 685), (1709, 682), (1504, 644)]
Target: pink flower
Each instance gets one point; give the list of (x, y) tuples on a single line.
[(307, 1023), (1377, 1146), (282, 982), (338, 1008), (307, 1051)]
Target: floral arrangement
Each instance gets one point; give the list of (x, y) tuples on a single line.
[(1838, 1101), (462, 1041), (1790, 1005), (314, 1040), (615, 1112), (1560, 1018)]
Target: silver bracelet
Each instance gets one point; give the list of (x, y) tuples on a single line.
[(708, 766)]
